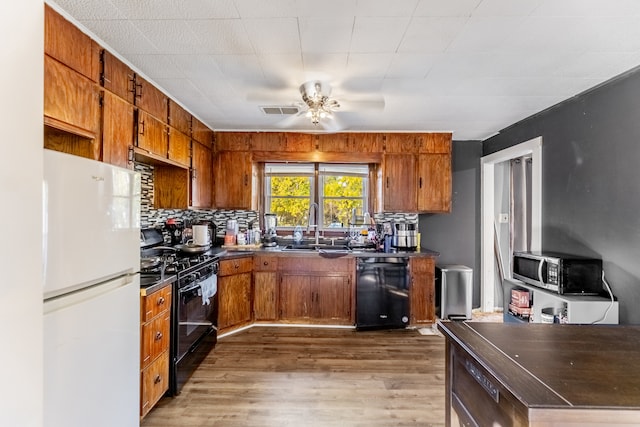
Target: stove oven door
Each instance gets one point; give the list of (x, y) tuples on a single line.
[(197, 314)]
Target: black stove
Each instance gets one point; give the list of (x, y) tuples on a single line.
[(194, 309)]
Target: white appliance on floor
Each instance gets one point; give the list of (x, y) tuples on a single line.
[(91, 293)]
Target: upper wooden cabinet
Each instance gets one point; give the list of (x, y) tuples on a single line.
[(179, 118), (435, 143), (201, 176), (116, 76), (71, 100), (117, 131), (350, 142), (152, 135), (399, 183), (232, 141), (434, 183), (401, 142), (201, 133), (233, 180), (151, 99), (179, 147), (67, 44)]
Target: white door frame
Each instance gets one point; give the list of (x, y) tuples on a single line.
[(487, 259)]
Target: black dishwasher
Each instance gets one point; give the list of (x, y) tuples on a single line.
[(382, 293)]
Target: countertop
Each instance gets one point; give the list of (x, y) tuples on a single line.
[(153, 286), (557, 366), (239, 251)]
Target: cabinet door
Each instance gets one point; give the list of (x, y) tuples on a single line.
[(264, 295), (334, 142), (201, 176), (117, 131), (154, 383), (151, 99), (298, 142), (71, 101), (433, 143), (232, 179), (152, 135), (268, 141), (331, 298), (155, 338), (422, 291), (171, 189), (232, 141), (399, 183), (179, 147), (366, 142), (234, 297), (401, 143), (295, 297), (117, 77), (201, 133), (66, 43), (434, 183), (179, 118)]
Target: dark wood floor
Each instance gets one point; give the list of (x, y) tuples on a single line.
[(277, 376)]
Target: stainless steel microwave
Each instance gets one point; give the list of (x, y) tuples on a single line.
[(561, 273)]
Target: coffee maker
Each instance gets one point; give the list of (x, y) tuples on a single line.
[(270, 235), (174, 228)]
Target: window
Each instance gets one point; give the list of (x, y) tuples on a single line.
[(338, 189)]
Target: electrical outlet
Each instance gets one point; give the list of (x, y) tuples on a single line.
[(503, 218)]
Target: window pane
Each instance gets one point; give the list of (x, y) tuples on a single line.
[(337, 212), (291, 186), (290, 212)]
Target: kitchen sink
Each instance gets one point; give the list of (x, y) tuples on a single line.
[(318, 247)]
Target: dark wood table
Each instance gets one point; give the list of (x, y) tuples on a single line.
[(542, 374)]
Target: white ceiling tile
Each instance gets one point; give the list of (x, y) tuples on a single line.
[(267, 9), (599, 65), (322, 35), (484, 34), (226, 36), (378, 34), (446, 8), (84, 10), (506, 7), (170, 37), (176, 9), (368, 65), (326, 8), (199, 67), (156, 66), (599, 8), (283, 67), (122, 36), (410, 65), (386, 8), (239, 66), (276, 35), (431, 35), (334, 64)]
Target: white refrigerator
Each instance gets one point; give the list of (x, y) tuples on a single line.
[(91, 252)]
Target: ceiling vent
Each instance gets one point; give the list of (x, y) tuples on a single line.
[(280, 111)]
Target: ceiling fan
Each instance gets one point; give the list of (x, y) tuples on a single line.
[(319, 109)]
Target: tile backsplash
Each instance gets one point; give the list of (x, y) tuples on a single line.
[(150, 217)]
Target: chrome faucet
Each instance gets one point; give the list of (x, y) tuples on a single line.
[(315, 222)]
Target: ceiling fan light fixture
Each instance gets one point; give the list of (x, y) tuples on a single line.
[(316, 95)]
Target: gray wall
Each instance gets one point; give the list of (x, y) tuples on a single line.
[(591, 180), (457, 235)]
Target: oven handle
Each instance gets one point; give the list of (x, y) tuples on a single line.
[(194, 285)]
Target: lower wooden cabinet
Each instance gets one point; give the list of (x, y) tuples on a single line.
[(234, 293), (422, 291), (265, 290), (155, 324)]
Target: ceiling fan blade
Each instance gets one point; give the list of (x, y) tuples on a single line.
[(331, 123), (374, 103), (293, 121)]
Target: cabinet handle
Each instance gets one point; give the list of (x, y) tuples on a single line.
[(265, 263), (160, 301), (157, 379), (420, 182), (138, 92), (246, 180), (158, 336), (133, 84), (141, 128), (387, 182)]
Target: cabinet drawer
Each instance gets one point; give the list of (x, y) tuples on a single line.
[(156, 303), (155, 338), (265, 263), (154, 382), (478, 397), (315, 263), (229, 267)]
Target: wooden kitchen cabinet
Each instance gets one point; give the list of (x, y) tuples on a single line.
[(232, 141), (233, 180), (116, 76), (179, 147), (152, 135), (117, 131), (234, 293), (179, 118), (71, 101), (350, 142), (434, 183), (422, 291), (171, 187), (201, 176), (316, 290), (201, 133), (155, 323), (70, 46), (151, 99), (399, 183), (401, 142), (265, 289)]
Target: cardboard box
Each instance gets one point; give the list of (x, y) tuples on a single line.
[(520, 298), (523, 312)]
